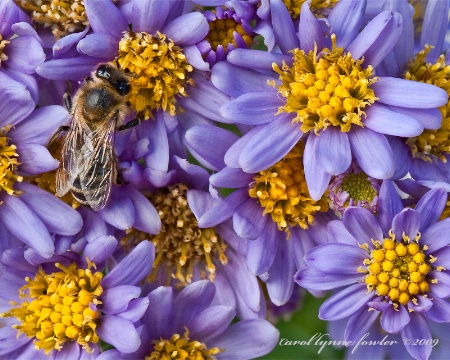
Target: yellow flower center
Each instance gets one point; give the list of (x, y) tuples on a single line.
[(283, 193), (431, 143), (62, 16), (181, 348), (59, 307), (181, 246), (318, 7), (221, 33), (158, 71), (3, 43), (398, 268), (8, 163), (329, 89), (47, 181)]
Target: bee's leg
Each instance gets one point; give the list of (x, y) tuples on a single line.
[(118, 178), (55, 136), (68, 101), (68, 97), (130, 124)]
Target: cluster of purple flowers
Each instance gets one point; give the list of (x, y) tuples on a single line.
[(284, 144)]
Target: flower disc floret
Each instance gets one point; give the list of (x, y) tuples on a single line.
[(431, 144), (8, 163), (158, 70), (181, 347), (326, 89), (62, 16), (283, 193), (398, 269), (60, 307), (181, 246)]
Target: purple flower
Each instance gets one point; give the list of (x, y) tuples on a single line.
[(187, 253), (337, 112), (272, 209), (395, 264), (189, 323), (229, 28), (64, 305), (256, 10), (24, 133)]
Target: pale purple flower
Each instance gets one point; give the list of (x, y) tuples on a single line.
[(329, 149), (272, 253), (116, 303), (192, 316), (368, 254)]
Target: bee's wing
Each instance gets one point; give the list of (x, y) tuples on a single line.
[(68, 169), (97, 166)]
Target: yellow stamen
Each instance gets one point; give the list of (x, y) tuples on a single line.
[(283, 193), (62, 16), (398, 268), (329, 89), (181, 348), (8, 163), (158, 71), (180, 250), (59, 307), (221, 33), (431, 144), (3, 43), (320, 8)]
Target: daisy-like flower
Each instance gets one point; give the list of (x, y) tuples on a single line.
[(190, 325), (229, 28), (64, 306), (151, 40), (395, 263), (24, 133), (271, 208), (327, 91), (187, 253)]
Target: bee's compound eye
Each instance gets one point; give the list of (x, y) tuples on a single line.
[(103, 72), (123, 87)]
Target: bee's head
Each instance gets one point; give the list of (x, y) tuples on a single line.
[(115, 77)]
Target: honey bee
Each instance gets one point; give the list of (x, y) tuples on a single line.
[(88, 165)]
